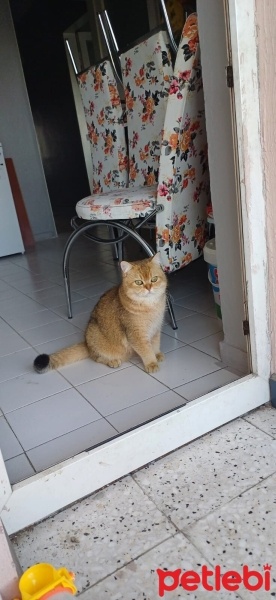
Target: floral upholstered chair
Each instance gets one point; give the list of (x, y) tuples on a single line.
[(183, 188), (147, 73), (179, 200), (104, 118)]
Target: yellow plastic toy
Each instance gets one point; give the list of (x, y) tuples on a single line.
[(44, 581)]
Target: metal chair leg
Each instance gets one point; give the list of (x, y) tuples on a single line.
[(116, 246), (66, 271), (81, 231), (120, 251), (171, 311), (127, 231)]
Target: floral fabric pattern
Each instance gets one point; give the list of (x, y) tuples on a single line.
[(106, 132), (182, 171), (124, 204), (147, 73), (183, 187)]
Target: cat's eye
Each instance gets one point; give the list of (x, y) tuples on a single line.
[(154, 279), (138, 282)]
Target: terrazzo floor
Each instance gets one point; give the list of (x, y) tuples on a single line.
[(45, 419), (212, 502)]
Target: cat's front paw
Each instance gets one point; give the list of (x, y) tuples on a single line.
[(115, 363), (160, 356), (152, 367)]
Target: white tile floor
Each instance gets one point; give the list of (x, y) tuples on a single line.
[(45, 419), (212, 502)]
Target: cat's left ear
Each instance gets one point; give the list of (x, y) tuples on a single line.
[(125, 266), (157, 259)]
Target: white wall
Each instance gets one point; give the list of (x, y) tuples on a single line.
[(214, 58), (17, 132), (265, 24)]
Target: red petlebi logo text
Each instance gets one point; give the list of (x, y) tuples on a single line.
[(214, 580)]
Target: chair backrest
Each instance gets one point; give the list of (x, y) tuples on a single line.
[(183, 186), (147, 72), (106, 131)]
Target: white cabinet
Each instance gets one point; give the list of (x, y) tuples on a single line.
[(10, 234)]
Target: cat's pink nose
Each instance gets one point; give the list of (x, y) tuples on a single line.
[(148, 286)]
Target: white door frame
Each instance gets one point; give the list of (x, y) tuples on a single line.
[(49, 491)]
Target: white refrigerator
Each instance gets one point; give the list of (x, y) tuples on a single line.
[(10, 234)]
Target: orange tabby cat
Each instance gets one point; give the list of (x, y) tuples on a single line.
[(127, 318)]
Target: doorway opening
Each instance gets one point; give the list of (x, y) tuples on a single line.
[(198, 346)]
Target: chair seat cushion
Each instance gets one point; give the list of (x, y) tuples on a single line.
[(126, 203)]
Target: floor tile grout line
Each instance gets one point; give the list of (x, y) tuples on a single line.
[(29, 371), (41, 258), (52, 308), (184, 531), (192, 341), (25, 271), (35, 346), (25, 451), (202, 377), (135, 404), (36, 270), (201, 552), (258, 427), (203, 291), (32, 271), (207, 336), (36, 349), (166, 412), (229, 501), (126, 564), (118, 432), (51, 396), (140, 485), (197, 379), (104, 417), (193, 312), (206, 353), (19, 332), (63, 435), (16, 456), (30, 463), (168, 517), (41, 271), (34, 402), (76, 386), (15, 351), (24, 293), (60, 318), (10, 427)]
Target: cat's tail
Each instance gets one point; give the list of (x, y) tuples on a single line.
[(46, 362)]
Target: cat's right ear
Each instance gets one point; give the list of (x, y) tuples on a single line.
[(156, 258), (125, 266)]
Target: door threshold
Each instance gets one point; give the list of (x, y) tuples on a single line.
[(40, 496)]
